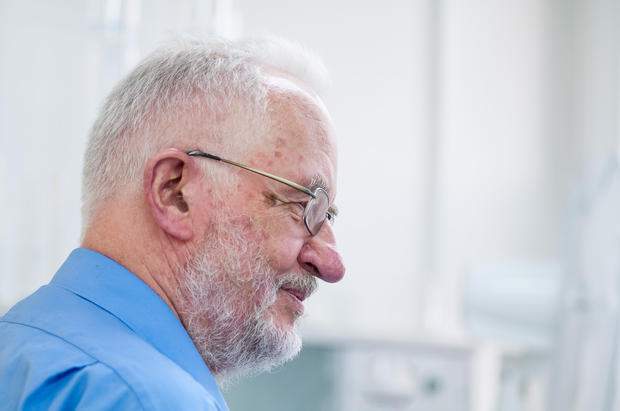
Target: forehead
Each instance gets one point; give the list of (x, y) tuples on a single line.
[(300, 141), (301, 114)]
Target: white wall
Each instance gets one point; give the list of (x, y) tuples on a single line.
[(494, 196), (43, 118)]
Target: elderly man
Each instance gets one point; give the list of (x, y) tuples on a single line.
[(195, 259)]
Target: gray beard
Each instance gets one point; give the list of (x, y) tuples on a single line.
[(236, 334)]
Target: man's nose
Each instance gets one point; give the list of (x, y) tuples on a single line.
[(320, 257)]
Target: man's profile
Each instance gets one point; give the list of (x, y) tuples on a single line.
[(208, 193)]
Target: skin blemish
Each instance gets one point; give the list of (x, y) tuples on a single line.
[(262, 157), (278, 154)]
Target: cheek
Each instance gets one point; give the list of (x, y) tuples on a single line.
[(279, 239), (283, 251)]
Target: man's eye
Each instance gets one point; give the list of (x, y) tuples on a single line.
[(331, 218)]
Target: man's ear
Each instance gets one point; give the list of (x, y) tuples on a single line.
[(166, 179)]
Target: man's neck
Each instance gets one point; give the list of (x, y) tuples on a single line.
[(141, 248)]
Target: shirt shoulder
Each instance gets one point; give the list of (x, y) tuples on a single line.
[(40, 371), (76, 356)]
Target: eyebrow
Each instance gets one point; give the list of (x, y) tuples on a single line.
[(319, 182)]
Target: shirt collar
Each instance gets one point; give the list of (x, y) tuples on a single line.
[(111, 286)]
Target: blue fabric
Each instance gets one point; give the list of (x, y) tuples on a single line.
[(96, 338)]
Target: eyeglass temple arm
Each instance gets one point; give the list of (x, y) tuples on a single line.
[(262, 173)]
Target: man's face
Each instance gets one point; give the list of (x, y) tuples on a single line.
[(301, 148), (258, 248)]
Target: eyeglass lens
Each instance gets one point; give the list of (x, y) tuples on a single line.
[(316, 211)]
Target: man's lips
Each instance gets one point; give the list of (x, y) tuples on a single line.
[(300, 295)]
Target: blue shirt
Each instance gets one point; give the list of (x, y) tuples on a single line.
[(97, 337)]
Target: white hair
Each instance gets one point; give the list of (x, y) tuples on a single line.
[(186, 79)]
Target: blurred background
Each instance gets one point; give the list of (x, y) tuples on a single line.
[(479, 187)]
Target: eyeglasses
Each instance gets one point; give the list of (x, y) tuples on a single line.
[(317, 208)]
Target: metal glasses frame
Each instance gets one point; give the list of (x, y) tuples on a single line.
[(318, 191)]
